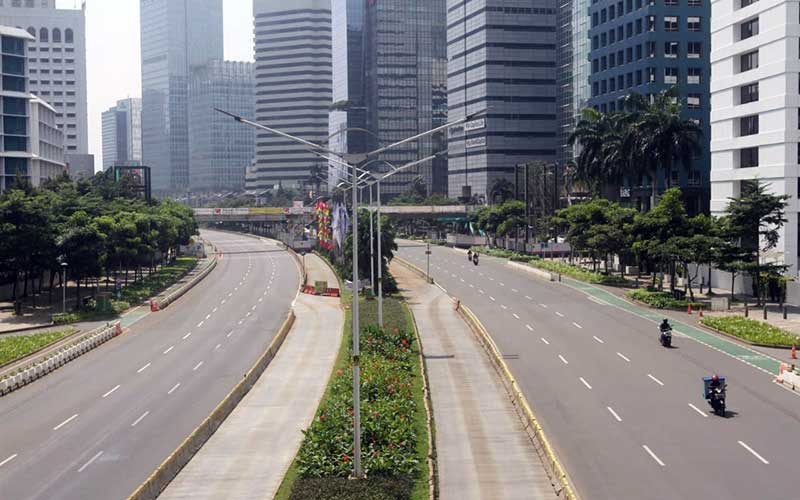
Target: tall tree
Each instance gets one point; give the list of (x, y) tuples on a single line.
[(757, 217)]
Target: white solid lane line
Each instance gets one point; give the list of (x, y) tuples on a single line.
[(90, 462), (111, 391), (614, 413), (751, 450), (198, 365), (529, 327), (168, 350), (12, 457), (656, 380), (545, 341), (599, 339), (140, 418), (623, 357), (563, 359), (653, 455), (65, 422), (174, 388), (698, 410), (516, 316), (187, 335), (559, 314), (140, 370), (585, 383), (576, 325)]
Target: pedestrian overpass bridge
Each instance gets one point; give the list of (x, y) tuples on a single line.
[(305, 215)]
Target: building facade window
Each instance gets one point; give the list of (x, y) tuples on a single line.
[(748, 157), (694, 76), (693, 101), (671, 76), (651, 23), (44, 35), (745, 3), (69, 36), (695, 3), (748, 125), (671, 50), (748, 29), (693, 23), (694, 50), (748, 61), (670, 23), (651, 49), (56, 35)]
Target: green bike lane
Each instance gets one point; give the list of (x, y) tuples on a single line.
[(747, 355)]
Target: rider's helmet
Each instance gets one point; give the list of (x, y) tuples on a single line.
[(715, 378)]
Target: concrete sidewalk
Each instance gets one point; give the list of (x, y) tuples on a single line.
[(483, 450), (249, 454)]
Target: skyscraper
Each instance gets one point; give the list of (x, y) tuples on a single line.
[(502, 57), (638, 46), (406, 85), (348, 110), (175, 37), (122, 133), (755, 120), (572, 70), (293, 87), (57, 63), (221, 149)]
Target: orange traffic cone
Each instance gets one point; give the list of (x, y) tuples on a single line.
[(689, 308), (794, 352)]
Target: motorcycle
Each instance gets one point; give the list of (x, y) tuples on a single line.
[(469, 255), (666, 338), (715, 395), (475, 258)]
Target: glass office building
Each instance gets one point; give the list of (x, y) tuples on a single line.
[(647, 46), (175, 36), (502, 58), (406, 86), (572, 71)]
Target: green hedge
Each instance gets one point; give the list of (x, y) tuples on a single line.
[(577, 272), (14, 348), (503, 254), (660, 300), (394, 432), (750, 330)]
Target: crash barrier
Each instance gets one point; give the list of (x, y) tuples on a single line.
[(161, 303), (555, 470), (55, 357), (538, 272), (169, 468), (788, 376)]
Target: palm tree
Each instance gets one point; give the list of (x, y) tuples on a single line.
[(603, 159), (661, 136), (501, 189)]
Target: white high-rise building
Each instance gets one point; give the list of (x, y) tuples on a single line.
[(122, 134), (755, 95), (293, 87), (56, 62)]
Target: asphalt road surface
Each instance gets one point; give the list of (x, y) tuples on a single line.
[(627, 416), (98, 427)]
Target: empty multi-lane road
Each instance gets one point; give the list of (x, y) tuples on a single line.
[(96, 428), (626, 416)]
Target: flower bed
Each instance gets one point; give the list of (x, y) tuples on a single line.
[(660, 300), (14, 348), (394, 434), (753, 331), (577, 273)]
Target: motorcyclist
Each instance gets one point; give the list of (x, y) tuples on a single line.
[(469, 254), (475, 258), (665, 326), (715, 383)]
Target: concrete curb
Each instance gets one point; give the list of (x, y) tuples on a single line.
[(28, 328), (555, 470), (55, 357), (533, 270), (180, 292), (172, 465), (433, 469), (741, 340)]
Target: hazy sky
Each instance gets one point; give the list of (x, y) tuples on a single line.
[(112, 53)]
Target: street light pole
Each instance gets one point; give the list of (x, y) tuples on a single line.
[(380, 261), (357, 471), (64, 288), (371, 246)]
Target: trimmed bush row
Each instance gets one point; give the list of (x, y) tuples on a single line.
[(14, 348), (577, 272), (660, 300), (750, 330)]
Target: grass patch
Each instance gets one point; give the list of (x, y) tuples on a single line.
[(133, 293), (577, 272), (660, 300), (394, 435), (751, 330), (14, 348)]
